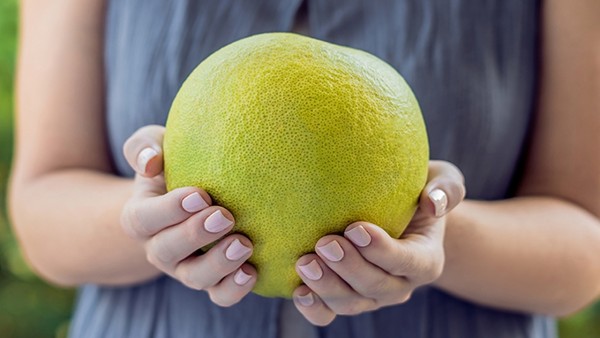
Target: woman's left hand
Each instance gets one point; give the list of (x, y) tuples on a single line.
[(367, 269)]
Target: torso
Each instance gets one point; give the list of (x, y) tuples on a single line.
[(472, 66)]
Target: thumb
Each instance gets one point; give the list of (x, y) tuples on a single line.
[(143, 150), (444, 190)]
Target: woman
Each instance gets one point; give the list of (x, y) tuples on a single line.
[(521, 247)]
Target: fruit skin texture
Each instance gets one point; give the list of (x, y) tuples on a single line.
[(298, 138)]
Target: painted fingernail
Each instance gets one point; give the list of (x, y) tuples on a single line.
[(306, 300), (312, 270), (241, 278), (359, 236), (332, 251), (193, 202), (236, 250), (440, 201), (144, 157), (216, 222)]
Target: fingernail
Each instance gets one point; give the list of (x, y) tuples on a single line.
[(359, 236), (312, 270), (236, 250), (241, 278), (332, 251), (216, 222), (193, 202), (144, 157), (440, 201), (306, 300)]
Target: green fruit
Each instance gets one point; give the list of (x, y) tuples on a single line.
[(298, 138)]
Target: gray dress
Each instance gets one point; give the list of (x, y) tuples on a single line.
[(472, 65)]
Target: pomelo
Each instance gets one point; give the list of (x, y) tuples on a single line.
[(298, 138)]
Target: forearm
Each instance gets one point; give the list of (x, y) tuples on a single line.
[(65, 206), (531, 254), (68, 225)]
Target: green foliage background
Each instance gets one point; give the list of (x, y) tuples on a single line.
[(28, 306), (31, 308)]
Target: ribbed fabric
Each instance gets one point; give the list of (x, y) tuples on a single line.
[(472, 65)]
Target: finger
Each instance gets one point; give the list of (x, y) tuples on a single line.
[(234, 286), (143, 150), (312, 307), (173, 244), (362, 276), (334, 292), (419, 259), (145, 216), (444, 190), (204, 271)]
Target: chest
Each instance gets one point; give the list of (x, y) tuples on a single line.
[(471, 64)]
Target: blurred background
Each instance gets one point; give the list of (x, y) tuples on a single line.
[(31, 308)]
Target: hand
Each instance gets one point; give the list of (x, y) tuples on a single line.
[(173, 225), (367, 269)]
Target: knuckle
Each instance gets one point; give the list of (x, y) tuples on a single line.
[(188, 279), (143, 130), (126, 223), (452, 167), (152, 259), (323, 321), (404, 297), (223, 299), (376, 287), (128, 146), (136, 223), (399, 298), (131, 222), (156, 262), (435, 271), (159, 251), (220, 265), (434, 267), (148, 131), (406, 262), (351, 307), (190, 228), (216, 298)]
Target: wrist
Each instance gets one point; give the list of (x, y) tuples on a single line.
[(456, 232)]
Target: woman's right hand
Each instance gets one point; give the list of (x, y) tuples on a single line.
[(173, 225)]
